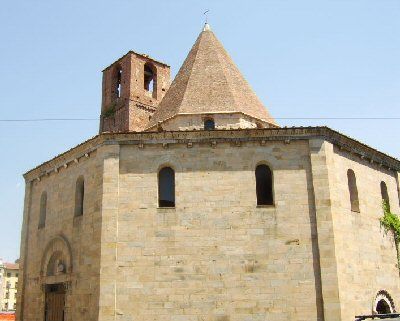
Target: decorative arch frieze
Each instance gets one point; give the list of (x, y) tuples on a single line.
[(383, 303)]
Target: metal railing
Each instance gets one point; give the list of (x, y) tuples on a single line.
[(390, 316)]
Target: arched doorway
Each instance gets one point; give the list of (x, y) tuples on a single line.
[(383, 303), (382, 307), (56, 271)]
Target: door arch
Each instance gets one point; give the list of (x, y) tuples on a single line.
[(56, 273), (383, 303)]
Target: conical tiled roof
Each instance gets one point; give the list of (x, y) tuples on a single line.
[(209, 82)]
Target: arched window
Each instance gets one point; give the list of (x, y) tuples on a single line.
[(79, 196), (352, 184), (264, 185), (43, 209), (149, 77), (209, 124), (118, 81), (56, 264), (384, 194), (166, 187)]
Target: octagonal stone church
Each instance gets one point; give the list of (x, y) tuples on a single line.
[(193, 204)]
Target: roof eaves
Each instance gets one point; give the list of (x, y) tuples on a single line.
[(139, 54), (280, 133)]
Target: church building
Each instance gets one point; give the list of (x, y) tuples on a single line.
[(193, 204)]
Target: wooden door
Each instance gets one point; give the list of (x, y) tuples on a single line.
[(55, 303)]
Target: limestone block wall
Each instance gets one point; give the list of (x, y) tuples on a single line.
[(82, 234), (216, 255), (222, 121), (366, 257)]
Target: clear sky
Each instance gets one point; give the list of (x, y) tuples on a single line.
[(304, 59)]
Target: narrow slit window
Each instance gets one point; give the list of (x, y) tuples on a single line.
[(385, 195), (352, 184), (166, 187), (118, 82), (264, 185), (79, 196), (43, 210)]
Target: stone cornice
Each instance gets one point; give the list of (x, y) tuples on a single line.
[(237, 136)]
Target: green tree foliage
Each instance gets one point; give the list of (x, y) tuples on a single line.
[(391, 223)]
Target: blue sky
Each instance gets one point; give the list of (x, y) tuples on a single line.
[(304, 59)]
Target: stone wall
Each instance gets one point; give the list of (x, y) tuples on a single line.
[(216, 256), (366, 257), (81, 233), (222, 121)]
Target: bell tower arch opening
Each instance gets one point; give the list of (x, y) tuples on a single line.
[(150, 79)]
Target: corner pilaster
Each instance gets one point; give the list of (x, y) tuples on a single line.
[(109, 232), (320, 155)]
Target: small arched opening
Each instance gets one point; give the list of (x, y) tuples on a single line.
[(166, 187), (42, 210), (118, 81), (150, 78), (264, 185), (353, 191), (383, 303), (382, 307), (79, 196), (385, 195), (56, 264), (209, 124)]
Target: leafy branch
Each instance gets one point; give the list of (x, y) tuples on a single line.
[(391, 222)]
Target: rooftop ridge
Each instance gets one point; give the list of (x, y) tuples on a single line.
[(136, 53)]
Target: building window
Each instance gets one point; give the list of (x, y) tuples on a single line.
[(79, 196), (385, 195), (352, 184), (15, 306), (8, 275), (118, 81), (6, 306), (166, 187), (43, 210), (209, 124), (264, 185), (149, 78)]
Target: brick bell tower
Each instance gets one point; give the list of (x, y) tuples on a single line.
[(133, 86)]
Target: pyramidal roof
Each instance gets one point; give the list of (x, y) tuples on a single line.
[(209, 82)]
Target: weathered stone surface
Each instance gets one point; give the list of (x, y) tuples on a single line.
[(216, 255)]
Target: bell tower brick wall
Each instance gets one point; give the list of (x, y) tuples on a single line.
[(127, 104)]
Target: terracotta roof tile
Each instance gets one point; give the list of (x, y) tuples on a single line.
[(11, 266), (209, 82)]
